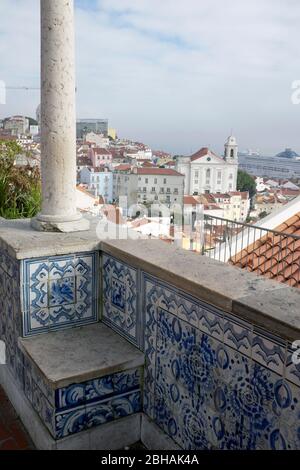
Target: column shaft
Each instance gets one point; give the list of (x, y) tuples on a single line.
[(58, 119)]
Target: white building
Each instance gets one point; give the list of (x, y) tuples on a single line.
[(140, 154), (100, 157), (99, 181), (160, 185), (98, 139), (125, 186), (17, 125), (206, 172), (236, 205), (87, 202)]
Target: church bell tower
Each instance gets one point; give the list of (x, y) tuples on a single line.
[(231, 150)]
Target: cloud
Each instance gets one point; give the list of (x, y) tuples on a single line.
[(175, 74)]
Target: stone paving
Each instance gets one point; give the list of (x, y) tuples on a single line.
[(12, 433)]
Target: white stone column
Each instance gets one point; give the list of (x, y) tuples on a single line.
[(58, 120)]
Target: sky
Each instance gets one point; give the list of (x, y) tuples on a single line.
[(177, 75)]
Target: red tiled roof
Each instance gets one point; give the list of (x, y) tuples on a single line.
[(113, 214), (244, 194), (276, 255), (139, 222), (190, 200), (202, 153), (158, 171), (99, 169), (289, 192), (212, 207), (100, 151), (220, 196), (123, 167)]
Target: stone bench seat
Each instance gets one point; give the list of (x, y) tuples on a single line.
[(82, 377)]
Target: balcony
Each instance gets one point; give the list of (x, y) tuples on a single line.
[(114, 341), (274, 254)]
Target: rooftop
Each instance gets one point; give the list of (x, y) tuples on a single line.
[(203, 152), (275, 255), (158, 171)]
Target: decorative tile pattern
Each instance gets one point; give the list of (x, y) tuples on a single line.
[(212, 381), (293, 365), (10, 308), (62, 291), (81, 406), (238, 334), (59, 292), (269, 350), (120, 298)]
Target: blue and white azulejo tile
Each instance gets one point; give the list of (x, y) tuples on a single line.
[(59, 292), (120, 298)]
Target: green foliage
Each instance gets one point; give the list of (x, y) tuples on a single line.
[(20, 187), (245, 182), (263, 214)]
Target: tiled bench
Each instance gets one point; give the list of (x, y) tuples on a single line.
[(80, 378)]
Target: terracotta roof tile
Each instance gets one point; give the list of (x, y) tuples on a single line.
[(275, 255), (202, 153)]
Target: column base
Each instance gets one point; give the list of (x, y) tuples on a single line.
[(80, 225)]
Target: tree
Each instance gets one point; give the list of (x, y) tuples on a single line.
[(245, 182), (263, 214), (20, 187)]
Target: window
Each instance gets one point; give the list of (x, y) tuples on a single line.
[(145, 190), (196, 174), (208, 173), (196, 181), (168, 190), (165, 180), (155, 180), (176, 191), (153, 190), (231, 176), (146, 180), (232, 153)]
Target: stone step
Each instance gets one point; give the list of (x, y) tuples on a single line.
[(79, 378)]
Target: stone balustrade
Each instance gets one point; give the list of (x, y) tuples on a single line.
[(180, 350)]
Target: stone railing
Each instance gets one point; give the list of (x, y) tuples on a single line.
[(179, 350)]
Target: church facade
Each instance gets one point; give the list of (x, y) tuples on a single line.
[(206, 172)]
